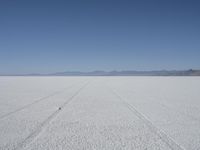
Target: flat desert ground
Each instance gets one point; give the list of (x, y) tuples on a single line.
[(100, 113)]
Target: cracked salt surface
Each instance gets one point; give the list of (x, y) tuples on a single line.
[(159, 116)]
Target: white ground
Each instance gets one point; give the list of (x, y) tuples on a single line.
[(104, 113)]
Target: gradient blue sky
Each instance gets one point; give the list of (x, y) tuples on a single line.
[(43, 36)]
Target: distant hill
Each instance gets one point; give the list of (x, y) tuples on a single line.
[(190, 72)]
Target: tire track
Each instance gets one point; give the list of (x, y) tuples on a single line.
[(165, 106), (171, 143), (41, 127), (34, 102)]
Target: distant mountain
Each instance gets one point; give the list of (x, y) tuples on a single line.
[(190, 72)]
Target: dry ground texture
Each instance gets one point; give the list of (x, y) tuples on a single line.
[(101, 113)]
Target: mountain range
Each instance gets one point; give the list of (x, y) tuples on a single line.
[(190, 72)]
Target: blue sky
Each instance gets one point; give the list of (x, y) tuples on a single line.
[(44, 36)]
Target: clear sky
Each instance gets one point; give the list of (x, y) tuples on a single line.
[(43, 36)]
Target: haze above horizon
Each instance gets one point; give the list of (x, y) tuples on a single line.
[(58, 35)]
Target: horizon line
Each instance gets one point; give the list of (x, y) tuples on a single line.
[(106, 73)]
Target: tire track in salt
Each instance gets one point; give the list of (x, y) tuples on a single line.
[(41, 127), (34, 102), (171, 143), (165, 106)]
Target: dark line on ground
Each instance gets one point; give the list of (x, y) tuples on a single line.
[(163, 136), (34, 102), (40, 128)]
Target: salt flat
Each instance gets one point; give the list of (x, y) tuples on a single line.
[(142, 113)]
